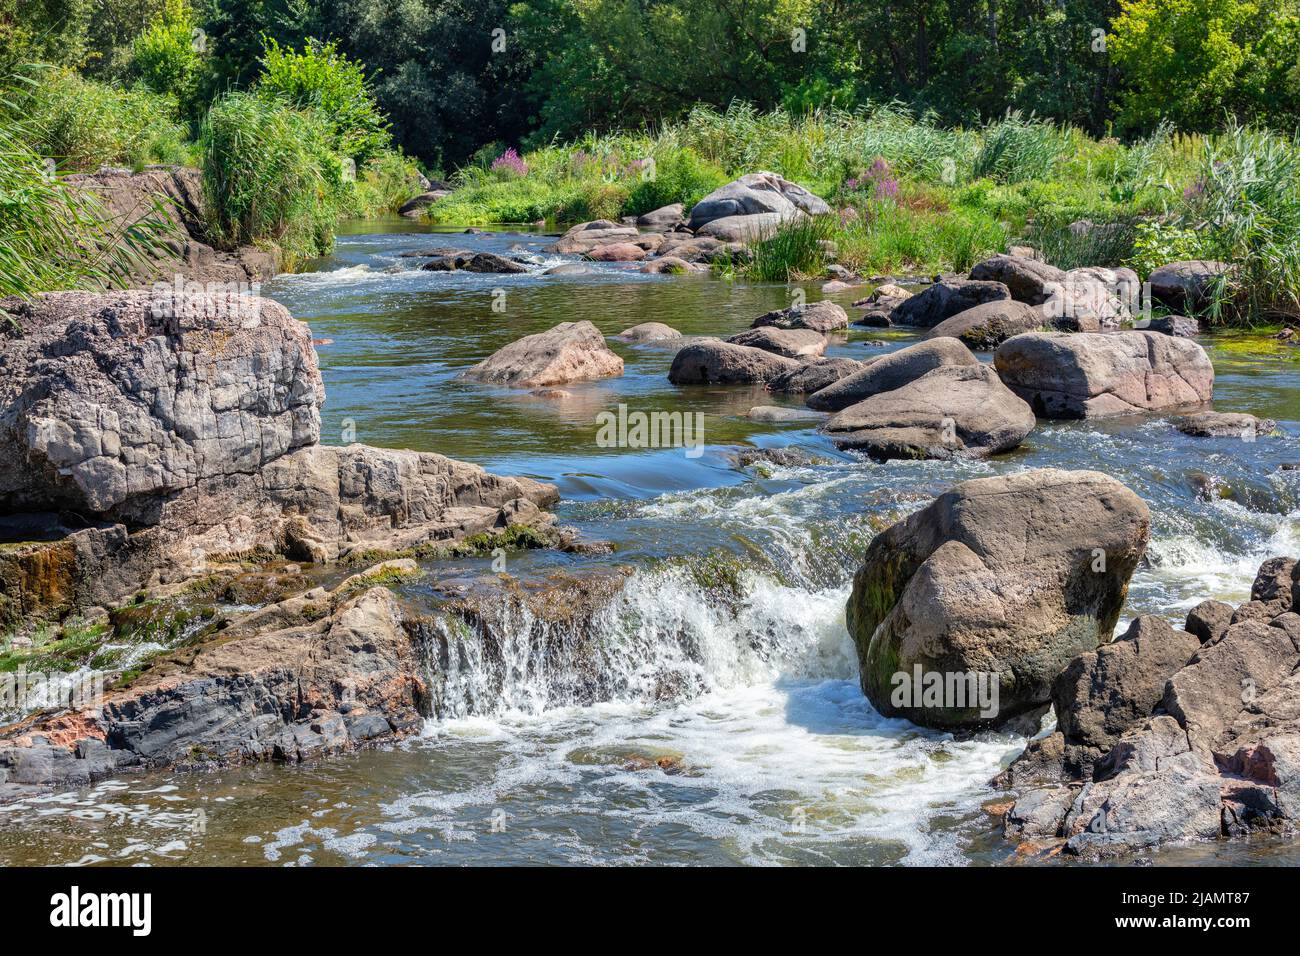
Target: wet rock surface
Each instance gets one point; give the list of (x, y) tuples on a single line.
[(1168, 736)]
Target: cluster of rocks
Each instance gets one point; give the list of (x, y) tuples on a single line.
[(718, 228), (1167, 735), (1007, 295), (144, 434)]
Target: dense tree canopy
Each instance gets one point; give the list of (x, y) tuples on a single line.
[(456, 75)]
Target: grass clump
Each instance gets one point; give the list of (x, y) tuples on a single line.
[(270, 176)]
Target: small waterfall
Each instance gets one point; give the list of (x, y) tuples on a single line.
[(662, 635)]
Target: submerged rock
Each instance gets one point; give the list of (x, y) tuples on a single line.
[(568, 352), (1010, 576), (1093, 376), (650, 332), (1224, 425), (954, 411), (474, 262)]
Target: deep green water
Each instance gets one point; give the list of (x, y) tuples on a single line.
[(783, 760)]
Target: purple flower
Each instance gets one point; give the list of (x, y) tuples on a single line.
[(1195, 191), (510, 161), (883, 183)]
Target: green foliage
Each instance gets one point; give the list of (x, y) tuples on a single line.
[(794, 251), (54, 237), (83, 124), (679, 175), (43, 31), (910, 237), (164, 56), (1016, 149), (1192, 61), (270, 176), (321, 79), (383, 185)]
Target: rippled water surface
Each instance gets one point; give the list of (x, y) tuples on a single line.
[(776, 757)]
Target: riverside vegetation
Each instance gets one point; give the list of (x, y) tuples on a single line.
[(177, 528)]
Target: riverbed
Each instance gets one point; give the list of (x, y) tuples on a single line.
[(774, 756)]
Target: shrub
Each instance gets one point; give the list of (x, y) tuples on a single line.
[(680, 175), (384, 184), (270, 176), (52, 237), (83, 124), (325, 81), (164, 55)]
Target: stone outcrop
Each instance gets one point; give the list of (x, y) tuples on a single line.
[(142, 434), (1172, 736), (569, 352), (1011, 576), (716, 362), (1093, 376), (756, 194), (954, 411), (168, 201), (891, 371)]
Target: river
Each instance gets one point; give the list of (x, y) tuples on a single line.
[(775, 755)]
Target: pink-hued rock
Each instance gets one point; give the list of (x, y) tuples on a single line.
[(569, 352)]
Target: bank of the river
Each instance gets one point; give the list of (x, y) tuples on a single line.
[(777, 757)]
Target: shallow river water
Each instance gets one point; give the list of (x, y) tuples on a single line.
[(782, 760)]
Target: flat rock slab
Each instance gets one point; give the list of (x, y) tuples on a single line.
[(890, 372), (987, 326), (954, 411), (1224, 425), (1065, 375), (586, 236), (792, 343), (569, 352)]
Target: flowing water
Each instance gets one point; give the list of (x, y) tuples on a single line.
[(773, 754)]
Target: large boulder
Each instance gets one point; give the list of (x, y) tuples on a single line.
[(890, 372), (822, 316), (1011, 576), (568, 352), (954, 411), (109, 402), (715, 362), (1184, 286), (989, 325), (792, 343), (1092, 376), (761, 225), (815, 375), (945, 299), (755, 194), (1030, 281), (1092, 299), (586, 236), (181, 426)]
